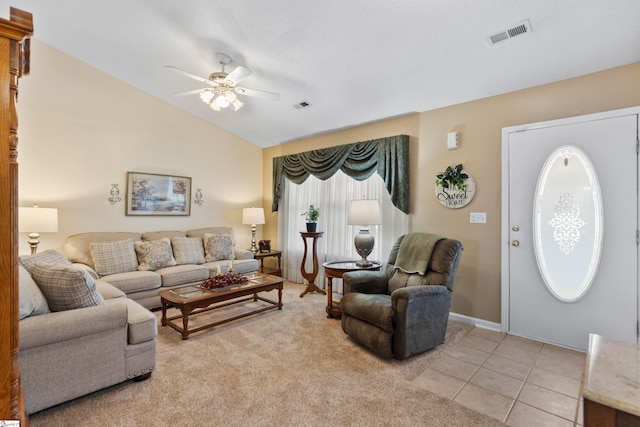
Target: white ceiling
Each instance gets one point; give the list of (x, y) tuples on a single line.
[(354, 61)]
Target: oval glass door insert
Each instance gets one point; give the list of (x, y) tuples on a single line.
[(568, 223)]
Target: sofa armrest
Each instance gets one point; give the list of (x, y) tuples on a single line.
[(365, 281), (45, 329), (243, 254), (85, 267)]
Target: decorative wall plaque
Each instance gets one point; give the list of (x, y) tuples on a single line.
[(455, 188)]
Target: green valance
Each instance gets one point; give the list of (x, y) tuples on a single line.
[(388, 156)]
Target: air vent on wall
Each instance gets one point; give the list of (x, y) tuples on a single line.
[(520, 29)]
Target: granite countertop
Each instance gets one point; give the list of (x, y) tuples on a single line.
[(612, 374)]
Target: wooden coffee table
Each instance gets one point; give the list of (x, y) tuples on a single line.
[(194, 299)]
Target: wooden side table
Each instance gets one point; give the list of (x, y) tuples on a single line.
[(311, 277), (272, 253), (336, 269)]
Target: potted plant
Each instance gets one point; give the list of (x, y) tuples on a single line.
[(311, 215)]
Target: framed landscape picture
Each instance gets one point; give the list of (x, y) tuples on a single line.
[(153, 194)]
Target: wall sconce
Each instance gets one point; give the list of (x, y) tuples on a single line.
[(115, 194), (198, 200)]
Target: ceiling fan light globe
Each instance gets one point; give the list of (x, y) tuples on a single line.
[(206, 96), (221, 101), (237, 104)]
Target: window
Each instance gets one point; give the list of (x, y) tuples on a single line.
[(332, 196)]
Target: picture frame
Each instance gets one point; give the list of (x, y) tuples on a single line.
[(150, 194)]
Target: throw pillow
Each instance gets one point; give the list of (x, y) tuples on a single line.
[(50, 256), (31, 300), (218, 247), (66, 287), (113, 257), (154, 254), (188, 250)]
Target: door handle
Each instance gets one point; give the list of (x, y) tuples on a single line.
[(515, 243)]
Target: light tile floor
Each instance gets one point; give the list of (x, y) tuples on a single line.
[(515, 380)]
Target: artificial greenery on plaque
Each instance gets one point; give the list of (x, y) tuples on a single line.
[(452, 178)]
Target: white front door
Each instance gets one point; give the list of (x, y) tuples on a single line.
[(533, 267)]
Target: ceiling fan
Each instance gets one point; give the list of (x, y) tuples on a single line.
[(223, 86)]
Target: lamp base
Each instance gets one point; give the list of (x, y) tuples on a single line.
[(254, 247), (364, 242), (34, 242)]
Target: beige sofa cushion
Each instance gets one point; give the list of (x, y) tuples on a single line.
[(66, 287), (181, 274), (113, 257), (154, 254), (134, 281), (31, 300), (142, 325), (188, 250)]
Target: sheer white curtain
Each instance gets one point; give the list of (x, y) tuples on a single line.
[(332, 196)]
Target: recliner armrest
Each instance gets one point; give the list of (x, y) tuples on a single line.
[(412, 292), (366, 282)]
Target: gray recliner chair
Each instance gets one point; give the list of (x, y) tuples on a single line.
[(401, 311)]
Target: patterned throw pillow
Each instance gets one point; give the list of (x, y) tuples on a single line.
[(154, 254), (218, 247), (31, 300), (113, 257), (66, 287), (50, 256), (188, 250)]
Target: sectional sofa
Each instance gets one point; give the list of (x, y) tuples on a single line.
[(77, 335), (140, 264)]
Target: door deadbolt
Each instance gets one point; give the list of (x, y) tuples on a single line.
[(515, 243), (515, 228)]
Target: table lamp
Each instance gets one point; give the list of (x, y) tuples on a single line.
[(37, 220), (253, 216), (364, 213)]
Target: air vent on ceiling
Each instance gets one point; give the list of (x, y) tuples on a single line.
[(302, 105), (520, 29)]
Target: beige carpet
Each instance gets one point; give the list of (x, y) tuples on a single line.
[(292, 367)]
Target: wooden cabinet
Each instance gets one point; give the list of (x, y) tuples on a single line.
[(14, 63)]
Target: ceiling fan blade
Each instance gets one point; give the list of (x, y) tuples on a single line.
[(257, 93), (239, 74), (192, 76), (191, 92)]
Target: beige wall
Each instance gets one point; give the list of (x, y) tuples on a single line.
[(478, 289), (81, 130)]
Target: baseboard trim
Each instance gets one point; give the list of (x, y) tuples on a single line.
[(484, 324)]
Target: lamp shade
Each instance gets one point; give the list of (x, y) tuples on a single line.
[(37, 220), (364, 212), (253, 216)]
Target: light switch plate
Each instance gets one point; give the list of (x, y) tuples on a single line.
[(478, 217)]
